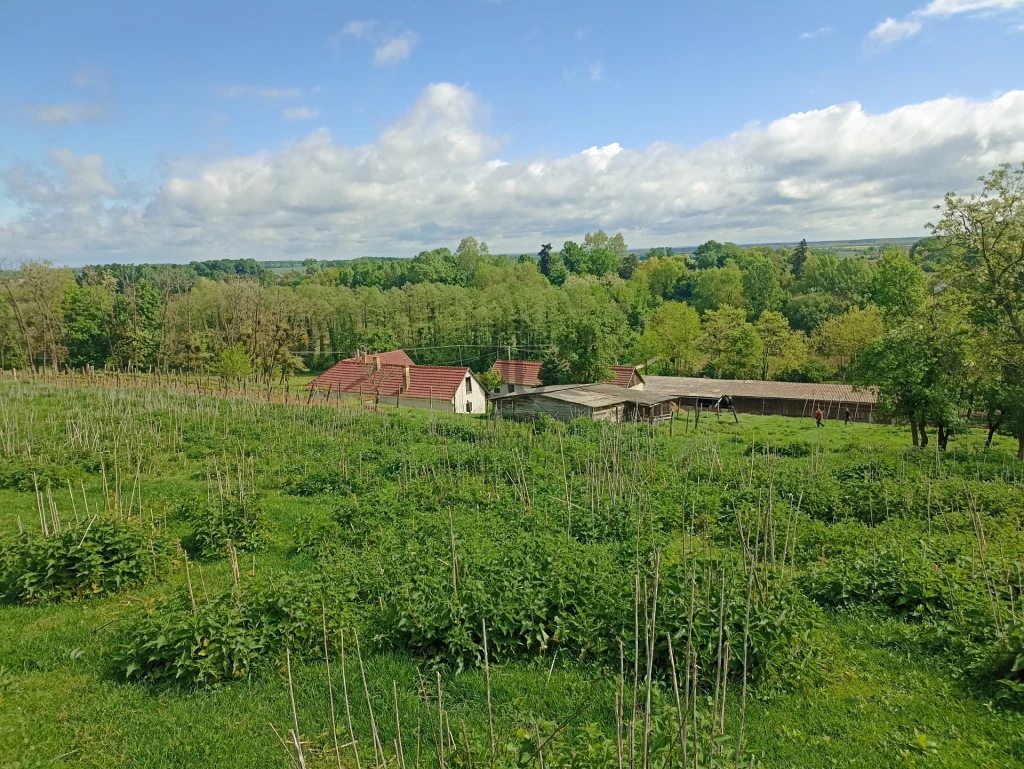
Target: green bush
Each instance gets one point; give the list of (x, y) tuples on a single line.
[(216, 522), (234, 633), (93, 558)]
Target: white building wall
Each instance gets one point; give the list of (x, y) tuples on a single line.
[(476, 397)]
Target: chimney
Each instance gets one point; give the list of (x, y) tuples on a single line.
[(366, 358), (406, 377), (376, 362)]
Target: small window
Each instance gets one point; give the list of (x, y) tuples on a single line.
[(469, 384), (469, 407), (511, 388)]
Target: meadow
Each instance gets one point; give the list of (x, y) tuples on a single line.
[(199, 581)]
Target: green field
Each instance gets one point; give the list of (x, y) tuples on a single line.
[(848, 601)]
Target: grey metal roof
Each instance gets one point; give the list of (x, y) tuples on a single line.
[(698, 387), (592, 395)]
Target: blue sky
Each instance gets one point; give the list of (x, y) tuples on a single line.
[(141, 131)]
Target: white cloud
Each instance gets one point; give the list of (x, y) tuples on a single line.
[(891, 31), (62, 114), (91, 76), (396, 49), (596, 71), (300, 113), (359, 29), (256, 92), (435, 175), (820, 32), (952, 7)]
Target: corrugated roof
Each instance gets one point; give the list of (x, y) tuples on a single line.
[(592, 395), (698, 387), (437, 382), (391, 357), (519, 372)]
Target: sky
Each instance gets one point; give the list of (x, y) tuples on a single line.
[(144, 132)]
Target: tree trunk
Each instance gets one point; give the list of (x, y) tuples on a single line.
[(1020, 439), (913, 431), (991, 432), (943, 436), (924, 433)]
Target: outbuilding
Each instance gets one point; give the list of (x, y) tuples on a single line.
[(603, 402), (790, 399)]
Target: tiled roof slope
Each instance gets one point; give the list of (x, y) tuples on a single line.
[(527, 372), (747, 388), (437, 382), (391, 357), (519, 372), (622, 376)]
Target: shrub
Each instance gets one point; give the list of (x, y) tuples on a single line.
[(233, 634), (93, 558), (216, 522)]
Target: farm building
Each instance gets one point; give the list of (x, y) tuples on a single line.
[(391, 357), (520, 375), (790, 399), (607, 402), (373, 381), (517, 375)]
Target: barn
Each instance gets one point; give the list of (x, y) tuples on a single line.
[(373, 381), (790, 399), (603, 402), (520, 375)]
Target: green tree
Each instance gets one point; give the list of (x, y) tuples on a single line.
[(491, 380), (844, 337), (629, 264), (782, 349), (732, 344), (719, 287), (799, 257), (233, 365), (471, 255), (553, 370), (898, 286), (575, 258), (761, 286), (677, 327), (986, 263)]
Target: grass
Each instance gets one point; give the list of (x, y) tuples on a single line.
[(884, 695)]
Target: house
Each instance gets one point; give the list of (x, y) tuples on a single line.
[(521, 375), (392, 357), (374, 381), (603, 402), (517, 375), (791, 399)]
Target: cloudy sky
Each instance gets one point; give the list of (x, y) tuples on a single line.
[(192, 130)]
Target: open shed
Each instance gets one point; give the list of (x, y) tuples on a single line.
[(605, 402), (790, 399)]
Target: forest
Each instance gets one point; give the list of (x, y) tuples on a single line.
[(937, 329)]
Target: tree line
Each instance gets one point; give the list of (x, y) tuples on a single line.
[(940, 330)]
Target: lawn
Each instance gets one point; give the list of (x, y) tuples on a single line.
[(848, 600)]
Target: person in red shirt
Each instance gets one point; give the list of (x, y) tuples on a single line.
[(819, 416)]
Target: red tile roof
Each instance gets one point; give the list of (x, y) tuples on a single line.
[(622, 376), (519, 372), (392, 357), (437, 382)]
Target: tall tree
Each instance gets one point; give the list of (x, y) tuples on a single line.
[(732, 344), (799, 258), (677, 327), (986, 262)]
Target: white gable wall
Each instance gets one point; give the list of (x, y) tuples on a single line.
[(475, 396)]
